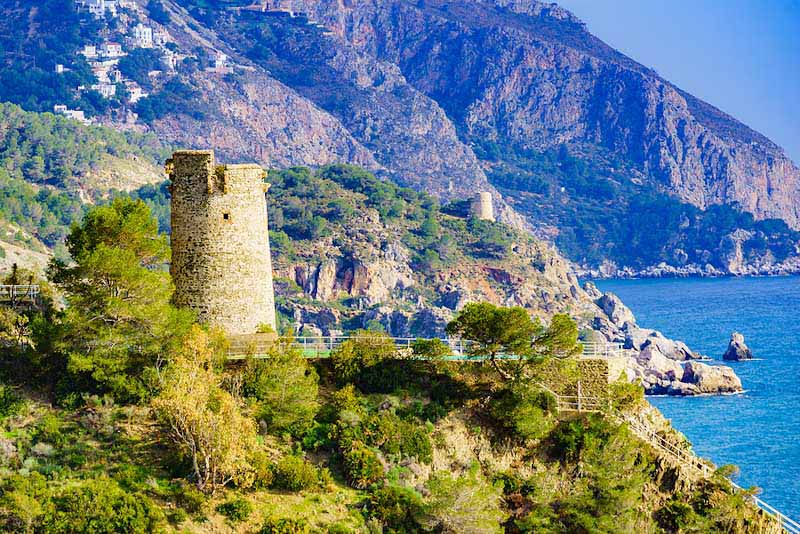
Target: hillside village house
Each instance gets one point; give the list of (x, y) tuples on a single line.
[(142, 36), (135, 91), (111, 49), (75, 114), (89, 51), (99, 8), (106, 90)]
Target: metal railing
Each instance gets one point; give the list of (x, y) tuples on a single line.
[(12, 293), (601, 349), (683, 457), (786, 523), (322, 346)]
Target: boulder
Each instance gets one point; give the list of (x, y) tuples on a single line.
[(659, 366), (737, 349), (615, 310), (640, 338), (711, 378), (592, 291)]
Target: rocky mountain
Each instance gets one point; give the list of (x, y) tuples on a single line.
[(595, 152)]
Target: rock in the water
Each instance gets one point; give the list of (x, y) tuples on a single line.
[(640, 338), (711, 378), (737, 349)]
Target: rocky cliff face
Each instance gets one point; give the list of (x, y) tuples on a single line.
[(417, 90), (539, 79), (444, 95)]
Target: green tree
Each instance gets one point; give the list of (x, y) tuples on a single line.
[(610, 470), (204, 421), (119, 322), (285, 387), (364, 350), (494, 331), (397, 508), (463, 505), (560, 339)]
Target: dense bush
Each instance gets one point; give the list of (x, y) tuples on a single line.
[(285, 525), (236, 509), (100, 506), (430, 349), (190, 498), (293, 473), (524, 410), (285, 387), (361, 464), (397, 508), (466, 503), (10, 402), (571, 438), (362, 358)]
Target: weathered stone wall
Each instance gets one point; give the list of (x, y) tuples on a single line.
[(482, 207), (592, 373), (594, 377), (221, 261)]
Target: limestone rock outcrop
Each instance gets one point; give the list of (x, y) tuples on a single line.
[(711, 378), (663, 366), (737, 349)]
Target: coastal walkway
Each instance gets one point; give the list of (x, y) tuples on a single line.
[(685, 459), (258, 346)]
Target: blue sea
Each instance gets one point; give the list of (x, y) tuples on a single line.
[(758, 430)]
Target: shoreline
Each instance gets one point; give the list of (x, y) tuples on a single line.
[(592, 275)]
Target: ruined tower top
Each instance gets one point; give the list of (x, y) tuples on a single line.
[(221, 263)]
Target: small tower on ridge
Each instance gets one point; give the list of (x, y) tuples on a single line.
[(221, 263), (482, 207)]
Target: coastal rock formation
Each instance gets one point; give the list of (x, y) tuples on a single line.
[(662, 365), (737, 349), (711, 378)]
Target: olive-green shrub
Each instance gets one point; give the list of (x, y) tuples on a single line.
[(361, 465), (293, 473)]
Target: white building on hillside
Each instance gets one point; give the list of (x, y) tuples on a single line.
[(106, 90), (111, 49), (99, 8), (135, 91), (75, 114), (142, 36), (89, 51)]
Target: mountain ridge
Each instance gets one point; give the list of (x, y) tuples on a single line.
[(453, 98)]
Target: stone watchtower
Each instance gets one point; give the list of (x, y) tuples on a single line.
[(482, 207), (221, 263)]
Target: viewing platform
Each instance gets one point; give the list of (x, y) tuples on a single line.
[(14, 295)]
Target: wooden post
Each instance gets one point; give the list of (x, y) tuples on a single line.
[(579, 396)]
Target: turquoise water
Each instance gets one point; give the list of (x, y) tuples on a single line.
[(759, 430)]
